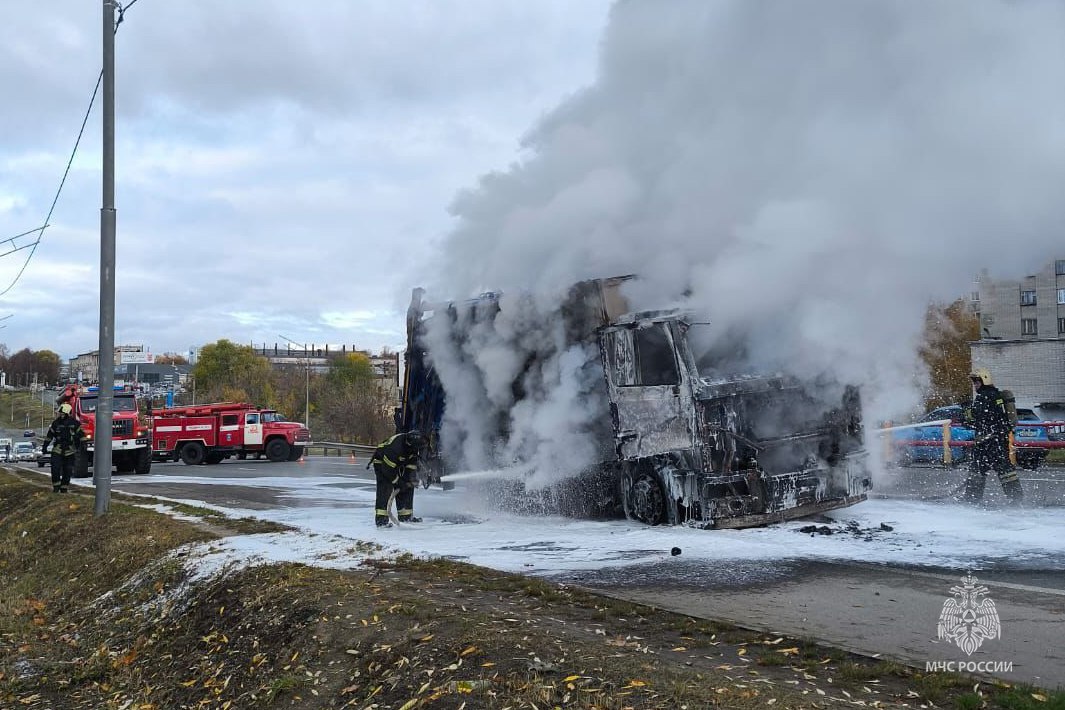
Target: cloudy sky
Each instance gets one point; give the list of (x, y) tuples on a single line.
[(282, 168)]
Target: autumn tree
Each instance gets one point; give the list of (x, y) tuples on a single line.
[(355, 404), (948, 330), (227, 371), (171, 359), (27, 366)]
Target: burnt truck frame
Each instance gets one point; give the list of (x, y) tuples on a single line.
[(730, 452)]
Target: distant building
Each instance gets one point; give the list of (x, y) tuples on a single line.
[(319, 358), (86, 366), (1022, 324)]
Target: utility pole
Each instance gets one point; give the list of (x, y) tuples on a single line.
[(105, 408)]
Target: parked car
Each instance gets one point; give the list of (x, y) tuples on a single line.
[(24, 451), (925, 444), (29, 432), (43, 459)]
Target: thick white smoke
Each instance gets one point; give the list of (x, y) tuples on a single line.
[(805, 176)]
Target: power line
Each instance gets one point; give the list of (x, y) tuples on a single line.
[(66, 172)]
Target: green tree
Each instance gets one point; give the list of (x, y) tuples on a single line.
[(47, 366), (227, 370), (948, 330), (354, 403), (351, 369)]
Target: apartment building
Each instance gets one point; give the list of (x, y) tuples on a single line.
[(1031, 308), (1022, 324), (86, 366)]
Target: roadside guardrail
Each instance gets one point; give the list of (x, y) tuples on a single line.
[(333, 448)]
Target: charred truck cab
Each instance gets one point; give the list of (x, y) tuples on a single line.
[(727, 452)]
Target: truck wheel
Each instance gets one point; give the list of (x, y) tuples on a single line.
[(214, 458), (643, 499), (143, 464), (193, 453), (294, 453), (81, 464), (277, 450)]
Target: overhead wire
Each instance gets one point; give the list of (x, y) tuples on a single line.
[(66, 171)]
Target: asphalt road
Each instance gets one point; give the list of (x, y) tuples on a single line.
[(887, 610)]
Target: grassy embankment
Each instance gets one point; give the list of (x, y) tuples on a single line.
[(22, 410), (95, 613)]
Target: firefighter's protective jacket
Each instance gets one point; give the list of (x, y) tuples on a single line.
[(67, 434), (398, 457), (988, 413)]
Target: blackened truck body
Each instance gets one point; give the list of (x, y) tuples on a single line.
[(681, 448)]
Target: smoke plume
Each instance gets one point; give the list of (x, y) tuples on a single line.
[(804, 176)]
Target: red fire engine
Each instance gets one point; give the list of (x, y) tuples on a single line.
[(209, 433), (131, 449)]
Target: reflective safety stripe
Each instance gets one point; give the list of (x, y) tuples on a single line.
[(387, 461), (379, 511), (395, 480), (405, 511), (1008, 477), (412, 466)]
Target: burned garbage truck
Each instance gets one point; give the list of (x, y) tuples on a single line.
[(675, 446)]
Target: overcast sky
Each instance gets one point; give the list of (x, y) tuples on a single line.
[(282, 168)]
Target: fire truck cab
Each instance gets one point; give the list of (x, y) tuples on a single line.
[(130, 445), (211, 433)]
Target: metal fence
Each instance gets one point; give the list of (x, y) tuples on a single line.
[(330, 448)]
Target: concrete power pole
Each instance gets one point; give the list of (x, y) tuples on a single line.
[(106, 402)]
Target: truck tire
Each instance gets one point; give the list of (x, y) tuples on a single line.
[(81, 464), (295, 453), (277, 450), (143, 463), (643, 498), (193, 453), (214, 458)]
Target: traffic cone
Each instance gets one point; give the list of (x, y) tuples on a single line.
[(351, 457), (300, 461)]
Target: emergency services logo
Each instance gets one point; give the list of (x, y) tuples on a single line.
[(969, 617)]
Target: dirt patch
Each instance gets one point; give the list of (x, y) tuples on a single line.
[(400, 633)]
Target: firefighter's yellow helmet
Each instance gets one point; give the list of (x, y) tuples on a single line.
[(982, 374), (65, 408)]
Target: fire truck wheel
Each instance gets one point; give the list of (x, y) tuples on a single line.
[(193, 453), (277, 450), (81, 464), (294, 453), (144, 462)]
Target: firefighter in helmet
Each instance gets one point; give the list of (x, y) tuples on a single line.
[(395, 463), (68, 436), (990, 418)]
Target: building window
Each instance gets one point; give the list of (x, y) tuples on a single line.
[(1061, 326), (975, 296), (1027, 298), (1059, 267), (1061, 296), (1029, 326)]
